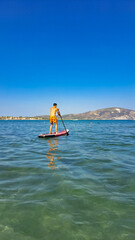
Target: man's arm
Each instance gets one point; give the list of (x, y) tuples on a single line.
[(58, 112)]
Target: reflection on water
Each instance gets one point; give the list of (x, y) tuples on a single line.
[(51, 154)]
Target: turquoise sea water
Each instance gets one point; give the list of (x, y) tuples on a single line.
[(79, 187)]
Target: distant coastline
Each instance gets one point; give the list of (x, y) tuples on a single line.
[(21, 118), (113, 113)]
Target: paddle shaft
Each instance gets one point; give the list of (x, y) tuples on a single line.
[(63, 124)]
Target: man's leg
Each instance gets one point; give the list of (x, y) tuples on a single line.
[(51, 127), (56, 127)]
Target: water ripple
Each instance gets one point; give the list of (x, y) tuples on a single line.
[(75, 187)]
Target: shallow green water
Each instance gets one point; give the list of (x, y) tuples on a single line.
[(78, 187)]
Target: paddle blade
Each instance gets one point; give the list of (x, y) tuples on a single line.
[(67, 132)]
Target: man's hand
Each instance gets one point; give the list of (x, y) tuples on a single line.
[(59, 114)]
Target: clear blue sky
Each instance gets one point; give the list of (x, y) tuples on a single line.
[(78, 53)]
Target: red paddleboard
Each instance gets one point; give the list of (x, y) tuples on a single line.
[(54, 134)]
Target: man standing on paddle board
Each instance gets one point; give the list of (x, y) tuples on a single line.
[(53, 118)]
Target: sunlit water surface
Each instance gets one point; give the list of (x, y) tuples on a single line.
[(79, 187)]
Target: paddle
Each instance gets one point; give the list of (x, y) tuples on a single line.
[(64, 125)]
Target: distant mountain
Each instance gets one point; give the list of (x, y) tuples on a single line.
[(113, 113)]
